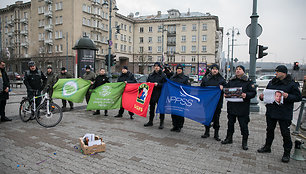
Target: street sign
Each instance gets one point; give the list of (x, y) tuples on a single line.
[(110, 42), (258, 30)]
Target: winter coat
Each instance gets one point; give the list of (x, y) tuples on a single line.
[(129, 77), (160, 78), (100, 80), (51, 79), (89, 76), (304, 90), (241, 108), (35, 80), (168, 73), (180, 78), (214, 80), (6, 84), (284, 111), (66, 75)]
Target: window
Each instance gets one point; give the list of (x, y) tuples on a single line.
[(150, 29), (194, 27), (88, 9), (203, 48), (159, 39), (204, 59), (159, 58), (141, 49), (204, 37), (59, 6), (194, 38), (130, 48), (184, 38), (84, 8), (121, 37), (183, 59), (160, 28), (25, 15), (141, 29), (141, 40), (183, 27), (159, 49), (150, 39), (183, 49), (193, 48), (130, 39), (116, 46), (124, 38), (124, 27), (84, 21), (150, 49), (121, 47), (130, 29), (193, 58), (204, 27)]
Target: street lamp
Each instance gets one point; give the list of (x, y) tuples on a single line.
[(233, 38), (162, 28), (110, 36)]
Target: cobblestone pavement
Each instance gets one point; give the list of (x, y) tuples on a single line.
[(133, 148)]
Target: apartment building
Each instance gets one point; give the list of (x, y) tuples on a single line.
[(54, 27)]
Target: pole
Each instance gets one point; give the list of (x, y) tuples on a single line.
[(67, 50), (228, 62), (233, 35), (253, 51), (298, 124), (162, 60), (110, 38)]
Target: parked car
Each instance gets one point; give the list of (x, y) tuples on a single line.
[(13, 76), (195, 78), (141, 78), (263, 81)]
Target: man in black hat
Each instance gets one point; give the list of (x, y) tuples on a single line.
[(89, 75), (158, 78), (127, 77), (179, 77), (51, 80), (4, 91), (65, 75), (214, 78), (281, 113), (240, 110)]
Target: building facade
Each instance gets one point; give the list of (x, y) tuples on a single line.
[(46, 30)]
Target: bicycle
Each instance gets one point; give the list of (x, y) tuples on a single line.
[(47, 114)]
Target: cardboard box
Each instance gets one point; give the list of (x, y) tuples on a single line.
[(92, 149)]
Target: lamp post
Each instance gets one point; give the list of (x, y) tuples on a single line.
[(163, 29), (110, 36), (67, 50), (233, 38)]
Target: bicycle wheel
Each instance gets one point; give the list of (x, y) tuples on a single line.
[(25, 110), (48, 120)]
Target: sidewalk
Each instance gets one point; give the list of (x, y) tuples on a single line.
[(133, 148)]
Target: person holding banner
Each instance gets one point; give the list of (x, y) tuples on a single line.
[(89, 75), (158, 78), (100, 80), (127, 77), (179, 77), (239, 109), (65, 75), (214, 78), (281, 113)]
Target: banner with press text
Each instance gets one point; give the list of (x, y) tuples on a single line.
[(193, 102), (72, 90)]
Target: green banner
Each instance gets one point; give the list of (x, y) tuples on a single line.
[(106, 97), (71, 89)]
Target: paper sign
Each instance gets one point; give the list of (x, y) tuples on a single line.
[(273, 96)]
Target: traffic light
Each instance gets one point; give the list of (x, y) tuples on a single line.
[(113, 60), (296, 66), (106, 60), (117, 29), (261, 52)]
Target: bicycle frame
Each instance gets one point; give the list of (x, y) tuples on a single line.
[(44, 96)]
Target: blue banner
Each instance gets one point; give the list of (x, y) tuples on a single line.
[(193, 102)]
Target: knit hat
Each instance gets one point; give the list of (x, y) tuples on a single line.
[(49, 67), (281, 68), (63, 68), (214, 66), (87, 67), (242, 67), (125, 67), (179, 66), (157, 63)]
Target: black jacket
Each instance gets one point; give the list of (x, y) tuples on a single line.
[(160, 78), (6, 84), (100, 80), (35, 80), (216, 80), (168, 73), (241, 108), (180, 78), (285, 110), (129, 77)]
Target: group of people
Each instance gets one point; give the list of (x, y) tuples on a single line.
[(35, 80)]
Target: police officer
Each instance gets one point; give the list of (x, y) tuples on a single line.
[(240, 110), (65, 75), (4, 91), (51, 80), (179, 77), (127, 77), (101, 79), (281, 113), (158, 78), (35, 81), (214, 78), (89, 75)]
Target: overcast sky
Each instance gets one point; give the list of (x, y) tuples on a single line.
[(283, 22)]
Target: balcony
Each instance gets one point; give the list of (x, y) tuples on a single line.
[(25, 44), (10, 34), (48, 28), (24, 20), (24, 32), (173, 43), (10, 23), (48, 1), (48, 14), (171, 33), (49, 42)]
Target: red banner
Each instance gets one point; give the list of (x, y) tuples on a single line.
[(136, 97)]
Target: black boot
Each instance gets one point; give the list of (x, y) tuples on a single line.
[(148, 124), (4, 119), (206, 134), (264, 149), (245, 143), (97, 112), (216, 136), (286, 156), (131, 117), (228, 140), (119, 115), (161, 124), (105, 113)]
